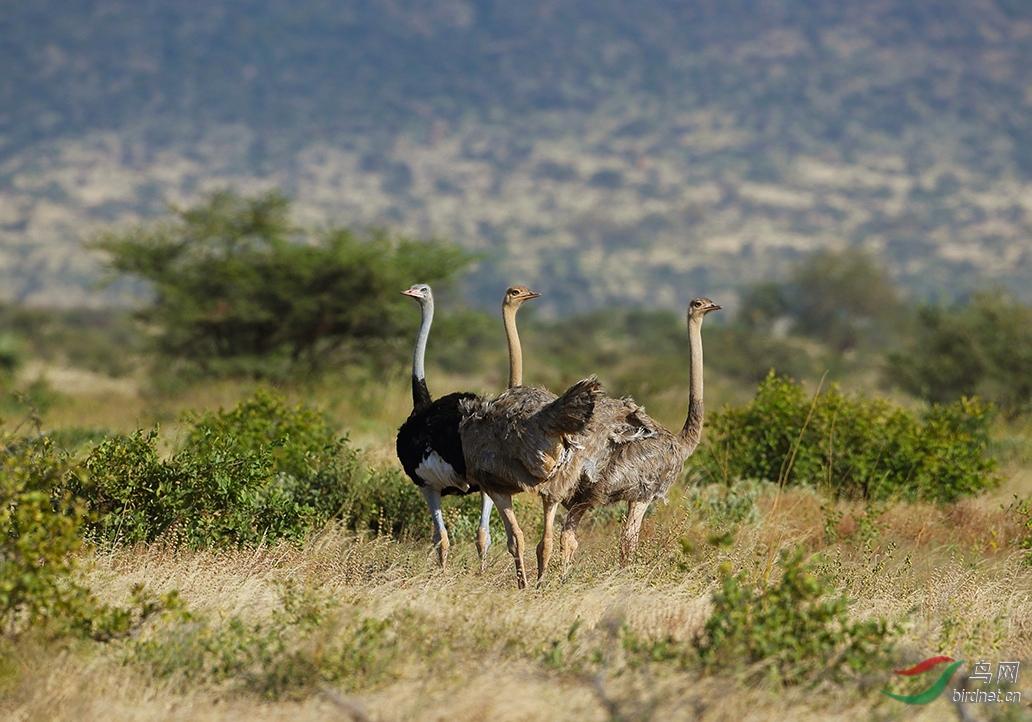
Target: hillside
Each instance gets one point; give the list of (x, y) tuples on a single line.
[(604, 151)]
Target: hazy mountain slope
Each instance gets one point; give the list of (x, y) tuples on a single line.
[(633, 152)]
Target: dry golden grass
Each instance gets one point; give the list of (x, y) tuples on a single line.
[(951, 574)]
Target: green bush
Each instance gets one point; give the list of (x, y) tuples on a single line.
[(38, 534), (40, 525), (794, 631), (854, 446), (263, 471)]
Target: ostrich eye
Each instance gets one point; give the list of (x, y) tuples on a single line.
[(512, 291)]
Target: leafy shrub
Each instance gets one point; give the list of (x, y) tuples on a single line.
[(386, 502), (306, 642), (38, 534), (794, 631), (131, 493), (40, 525), (263, 471), (857, 447)]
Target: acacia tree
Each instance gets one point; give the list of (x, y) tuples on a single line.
[(236, 285)]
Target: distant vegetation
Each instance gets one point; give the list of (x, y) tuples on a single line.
[(983, 347), (836, 298), (611, 153), (101, 340), (237, 288)]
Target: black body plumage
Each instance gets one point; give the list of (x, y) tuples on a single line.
[(434, 428)]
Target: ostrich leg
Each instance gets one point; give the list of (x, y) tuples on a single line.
[(568, 539), (629, 543), (433, 500), (484, 532), (544, 548), (514, 534)]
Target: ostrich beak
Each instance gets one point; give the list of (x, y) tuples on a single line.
[(714, 307), (529, 295), (409, 292)]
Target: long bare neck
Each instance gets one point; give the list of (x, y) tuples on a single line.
[(512, 336), (691, 432), (420, 393)]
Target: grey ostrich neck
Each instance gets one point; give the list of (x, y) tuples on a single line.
[(420, 394), (692, 430), (515, 350)]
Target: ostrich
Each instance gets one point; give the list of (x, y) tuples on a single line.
[(428, 443), (639, 460), (526, 439)]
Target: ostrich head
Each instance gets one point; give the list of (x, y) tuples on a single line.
[(699, 307), (421, 292), (516, 295)]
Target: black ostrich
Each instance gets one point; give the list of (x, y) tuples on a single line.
[(428, 443)]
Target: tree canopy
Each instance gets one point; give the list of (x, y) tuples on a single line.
[(237, 285)]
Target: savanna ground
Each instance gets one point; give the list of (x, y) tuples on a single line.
[(607, 643)]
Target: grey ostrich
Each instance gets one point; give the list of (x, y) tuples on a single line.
[(526, 439), (633, 458)]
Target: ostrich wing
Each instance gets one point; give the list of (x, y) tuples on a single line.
[(525, 435), (432, 434), (572, 411), (629, 422)]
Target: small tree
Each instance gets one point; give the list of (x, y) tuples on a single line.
[(237, 285), (980, 347), (830, 296)]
